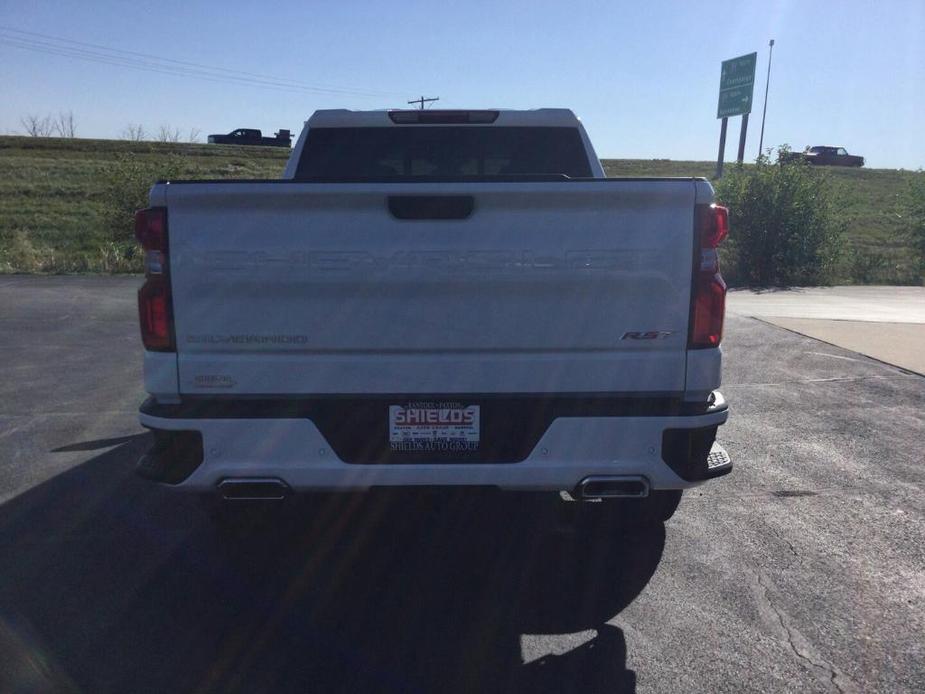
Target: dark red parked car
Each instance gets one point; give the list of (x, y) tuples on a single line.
[(821, 155)]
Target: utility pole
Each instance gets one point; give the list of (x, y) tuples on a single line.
[(422, 101), (767, 83)]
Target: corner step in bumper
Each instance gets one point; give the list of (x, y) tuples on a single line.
[(718, 461)]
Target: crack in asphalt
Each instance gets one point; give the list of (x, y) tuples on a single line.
[(787, 542), (832, 674)]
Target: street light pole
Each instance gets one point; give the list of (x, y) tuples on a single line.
[(767, 83)]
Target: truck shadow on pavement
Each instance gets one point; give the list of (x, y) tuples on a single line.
[(109, 583)]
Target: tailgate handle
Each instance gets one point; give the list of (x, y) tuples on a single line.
[(431, 206)]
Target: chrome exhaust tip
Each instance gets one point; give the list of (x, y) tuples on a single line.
[(613, 487), (253, 489)]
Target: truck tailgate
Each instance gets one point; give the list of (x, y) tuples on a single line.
[(300, 288)]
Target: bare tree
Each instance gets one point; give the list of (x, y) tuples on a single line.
[(135, 133), (168, 133), (37, 127), (64, 124), (194, 134)]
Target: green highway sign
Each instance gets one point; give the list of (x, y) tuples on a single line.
[(734, 102), (736, 84)]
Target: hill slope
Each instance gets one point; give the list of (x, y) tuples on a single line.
[(53, 192), (870, 209), (53, 195)]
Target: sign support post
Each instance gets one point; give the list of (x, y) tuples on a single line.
[(722, 148), (742, 138)]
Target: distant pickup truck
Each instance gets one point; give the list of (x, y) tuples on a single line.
[(250, 136), (435, 298), (820, 155)]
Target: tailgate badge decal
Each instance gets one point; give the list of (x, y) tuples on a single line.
[(647, 335), (214, 381)]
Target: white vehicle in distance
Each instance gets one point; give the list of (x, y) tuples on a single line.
[(435, 298)]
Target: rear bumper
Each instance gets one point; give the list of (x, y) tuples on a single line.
[(670, 450)]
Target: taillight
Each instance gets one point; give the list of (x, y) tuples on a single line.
[(155, 307), (708, 290)]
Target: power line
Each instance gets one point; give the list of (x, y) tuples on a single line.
[(148, 66), (80, 50), (190, 64)]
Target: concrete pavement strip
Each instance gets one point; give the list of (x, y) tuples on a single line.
[(899, 344), (872, 304), (884, 323)]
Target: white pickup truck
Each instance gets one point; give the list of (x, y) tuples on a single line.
[(435, 298)]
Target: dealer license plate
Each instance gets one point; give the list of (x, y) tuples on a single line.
[(433, 426)]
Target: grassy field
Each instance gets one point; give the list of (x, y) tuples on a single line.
[(53, 199), (53, 193)]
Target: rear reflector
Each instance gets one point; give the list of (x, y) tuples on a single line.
[(441, 117), (708, 312), (708, 290), (155, 306), (154, 314)]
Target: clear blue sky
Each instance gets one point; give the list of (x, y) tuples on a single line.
[(642, 75)]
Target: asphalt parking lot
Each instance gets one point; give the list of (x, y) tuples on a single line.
[(803, 570)]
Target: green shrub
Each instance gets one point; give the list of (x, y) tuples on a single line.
[(913, 214), (128, 180), (783, 225), (20, 253), (117, 257), (867, 267)]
